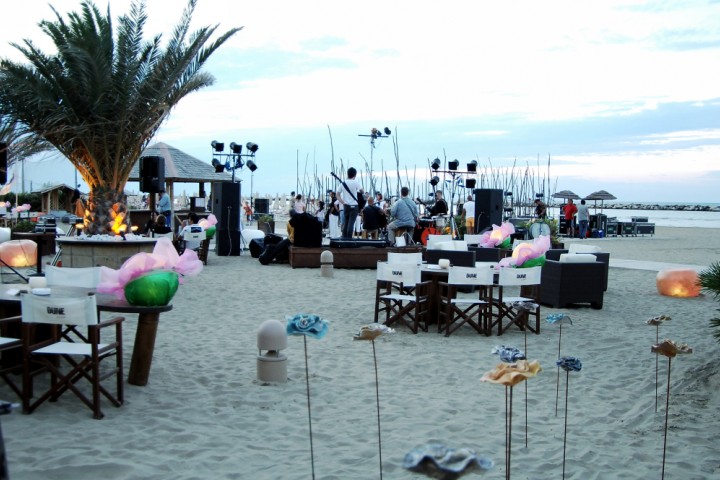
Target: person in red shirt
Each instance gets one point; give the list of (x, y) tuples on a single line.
[(570, 210)]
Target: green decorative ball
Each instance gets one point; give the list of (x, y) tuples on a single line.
[(152, 289), (210, 232), (534, 262), (507, 243)]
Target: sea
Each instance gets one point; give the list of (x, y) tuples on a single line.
[(661, 218)]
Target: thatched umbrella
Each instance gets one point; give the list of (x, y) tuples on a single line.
[(601, 195)]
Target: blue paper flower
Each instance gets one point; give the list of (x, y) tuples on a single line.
[(439, 461), (306, 324), (558, 318), (508, 354), (569, 364)]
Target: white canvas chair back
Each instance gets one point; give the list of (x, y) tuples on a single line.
[(406, 274), (520, 276), (433, 240), (460, 245), (59, 310), (86, 277), (414, 258), (470, 276), (169, 235), (472, 239), (194, 236)]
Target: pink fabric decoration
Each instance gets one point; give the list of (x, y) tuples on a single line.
[(498, 235), (21, 208), (164, 257), (527, 251), (208, 222)]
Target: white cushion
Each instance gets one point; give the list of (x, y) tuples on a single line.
[(582, 248), (444, 246), (577, 257), (460, 245)]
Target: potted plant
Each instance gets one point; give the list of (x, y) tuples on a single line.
[(266, 223), (553, 224)]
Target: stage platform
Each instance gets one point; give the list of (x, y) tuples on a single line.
[(360, 257)]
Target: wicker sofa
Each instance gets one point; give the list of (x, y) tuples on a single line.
[(573, 282)]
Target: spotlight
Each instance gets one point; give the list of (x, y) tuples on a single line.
[(238, 163), (435, 164), (236, 149), (539, 195), (250, 164), (472, 166), (219, 167), (253, 147), (453, 164), (469, 183), (434, 181), (218, 146), (508, 194), (387, 131)]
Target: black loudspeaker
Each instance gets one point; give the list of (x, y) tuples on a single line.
[(3, 162), (262, 205), (226, 208), (488, 208), (152, 174)]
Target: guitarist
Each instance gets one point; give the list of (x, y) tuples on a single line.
[(351, 196)]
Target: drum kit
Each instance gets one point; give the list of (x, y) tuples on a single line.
[(429, 226)]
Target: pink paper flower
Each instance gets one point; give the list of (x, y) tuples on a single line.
[(164, 257)]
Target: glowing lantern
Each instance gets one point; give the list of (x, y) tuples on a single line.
[(18, 253), (678, 283), (497, 236), (520, 247)]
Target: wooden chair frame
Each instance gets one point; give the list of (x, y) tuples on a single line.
[(529, 281), (59, 357), (408, 309), (456, 311)]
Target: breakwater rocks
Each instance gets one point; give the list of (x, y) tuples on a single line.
[(649, 206)]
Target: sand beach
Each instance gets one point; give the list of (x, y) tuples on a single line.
[(204, 415)]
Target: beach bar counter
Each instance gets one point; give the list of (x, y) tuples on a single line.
[(105, 251)]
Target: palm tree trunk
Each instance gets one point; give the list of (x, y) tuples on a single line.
[(103, 206)]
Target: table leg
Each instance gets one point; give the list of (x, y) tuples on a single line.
[(143, 349)]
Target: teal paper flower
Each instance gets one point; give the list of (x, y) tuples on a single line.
[(307, 324), (569, 364), (558, 318)]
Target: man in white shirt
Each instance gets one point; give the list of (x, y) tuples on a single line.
[(469, 214), (349, 196), (191, 226)]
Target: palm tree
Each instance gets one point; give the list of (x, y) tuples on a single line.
[(20, 144), (709, 280), (102, 97)]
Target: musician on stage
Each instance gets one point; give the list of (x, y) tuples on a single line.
[(404, 213), (440, 207), (349, 194)]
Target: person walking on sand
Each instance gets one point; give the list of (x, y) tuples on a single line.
[(468, 211), (569, 211), (583, 216), (78, 204)]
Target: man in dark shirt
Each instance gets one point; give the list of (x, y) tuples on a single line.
[(440, 207), (371, 219)]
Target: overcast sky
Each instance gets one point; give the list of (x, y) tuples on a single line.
[(621, 95)]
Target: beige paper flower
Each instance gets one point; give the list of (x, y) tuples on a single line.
[(658, 320), (510, 374), (669, 348), (371, 332)]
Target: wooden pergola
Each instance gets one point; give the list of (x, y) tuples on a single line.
[(180, 168), (50, 198)]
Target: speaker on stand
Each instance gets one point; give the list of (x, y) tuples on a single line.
[(488, 208), (226, 208), (152, 174), (3, 162)]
